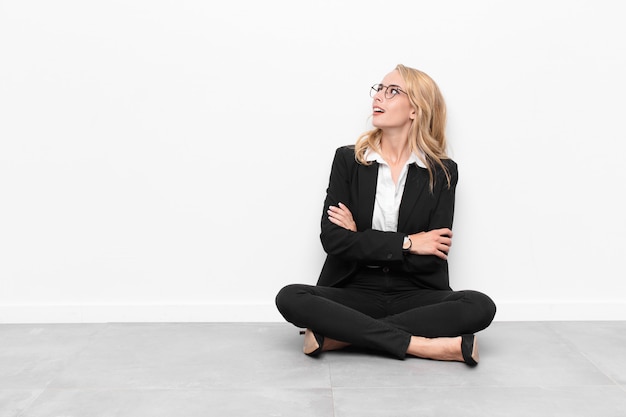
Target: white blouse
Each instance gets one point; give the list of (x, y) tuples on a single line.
[(388, 194)]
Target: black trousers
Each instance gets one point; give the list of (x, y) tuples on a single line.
[(380, 309)]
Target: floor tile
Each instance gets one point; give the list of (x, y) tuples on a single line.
[(204, 369), (512, 354), (188, 403), (480, 402), (31, 356), (194, 356), (603, 343), (14, 402)]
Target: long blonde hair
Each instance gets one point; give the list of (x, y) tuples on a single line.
[(427, 138)]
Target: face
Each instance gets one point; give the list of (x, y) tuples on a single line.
[(395, 112)]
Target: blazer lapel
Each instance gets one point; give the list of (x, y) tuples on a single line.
[(368, 176), (416, 181)]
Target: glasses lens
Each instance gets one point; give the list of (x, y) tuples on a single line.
[(392, 91)]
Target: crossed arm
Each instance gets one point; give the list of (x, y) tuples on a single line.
[(434, 242)]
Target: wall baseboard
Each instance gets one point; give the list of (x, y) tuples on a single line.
[(561, 311), (111, 313), (507, 311)]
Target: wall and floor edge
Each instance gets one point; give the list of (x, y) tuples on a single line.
[(507, 311)]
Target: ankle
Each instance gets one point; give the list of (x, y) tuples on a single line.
[(438, 348)]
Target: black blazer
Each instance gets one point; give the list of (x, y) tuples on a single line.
[(354, 185)]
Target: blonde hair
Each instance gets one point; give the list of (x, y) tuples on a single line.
[(427, 137)]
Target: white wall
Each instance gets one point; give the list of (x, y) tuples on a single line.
[(167, 160)]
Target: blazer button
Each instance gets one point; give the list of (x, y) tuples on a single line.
[(385, 269), (389, 256)]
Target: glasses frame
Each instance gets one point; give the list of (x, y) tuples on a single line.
[(375, 90)]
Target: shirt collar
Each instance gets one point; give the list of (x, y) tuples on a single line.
[(371, 155)]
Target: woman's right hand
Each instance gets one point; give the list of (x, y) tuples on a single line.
[(434, 242), (341, 216)]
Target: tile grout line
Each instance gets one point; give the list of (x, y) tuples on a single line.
[(30, 404), (332, 388), (623, 388), (575, 347)]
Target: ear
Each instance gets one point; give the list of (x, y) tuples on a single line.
[(412, 115)]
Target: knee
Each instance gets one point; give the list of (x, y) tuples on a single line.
[(485, 308), (286, 299)]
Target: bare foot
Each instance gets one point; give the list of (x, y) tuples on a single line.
[(332, 344), (438, 348), (311, 344)]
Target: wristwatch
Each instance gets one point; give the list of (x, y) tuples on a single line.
[(406, 244)]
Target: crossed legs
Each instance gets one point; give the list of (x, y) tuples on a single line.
[(423, 323)]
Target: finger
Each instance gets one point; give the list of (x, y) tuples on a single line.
[(345, 208), (336, 221), (337, 215), (439, 254), (342, 210), (443, 232), (344, 213), (337, 211), (342, 223)]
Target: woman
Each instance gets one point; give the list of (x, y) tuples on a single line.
[(387, 230)]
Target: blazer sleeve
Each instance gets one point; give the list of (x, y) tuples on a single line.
[(364, 246), (441, 216)]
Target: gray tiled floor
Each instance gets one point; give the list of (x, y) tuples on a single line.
[(236, 369)]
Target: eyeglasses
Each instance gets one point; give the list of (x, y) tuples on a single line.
[(390, 90)]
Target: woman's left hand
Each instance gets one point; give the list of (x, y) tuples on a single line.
[(341, 216)]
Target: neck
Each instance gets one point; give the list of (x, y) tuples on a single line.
[(395, 150)]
